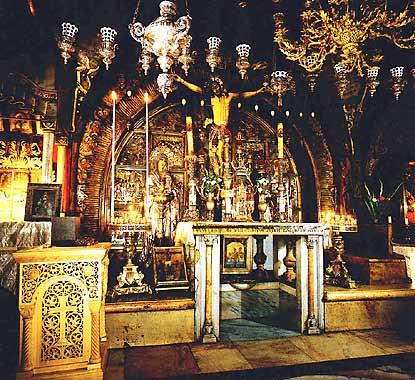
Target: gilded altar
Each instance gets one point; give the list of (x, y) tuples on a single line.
[(61, 305)]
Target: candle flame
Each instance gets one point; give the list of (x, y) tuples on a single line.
[(113, 95), (146, 97)]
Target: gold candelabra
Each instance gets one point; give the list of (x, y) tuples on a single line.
[(338, 30)]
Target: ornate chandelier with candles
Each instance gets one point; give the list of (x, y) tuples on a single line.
[(167, 38), (335, 28)]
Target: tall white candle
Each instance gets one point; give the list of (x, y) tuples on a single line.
[(189, 132), (114, 98), (280, 140)]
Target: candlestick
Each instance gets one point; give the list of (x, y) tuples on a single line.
[(114, 98)]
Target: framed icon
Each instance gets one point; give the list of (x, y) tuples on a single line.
[(170, 270), (43, 201), (237, 255)]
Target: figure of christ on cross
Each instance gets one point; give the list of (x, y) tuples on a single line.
[(220, 100)]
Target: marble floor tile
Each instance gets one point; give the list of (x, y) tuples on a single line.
[(391, 341), (270, 353), (222, 356), (115, 365), (336, 346), (154, 362), (242, 329)]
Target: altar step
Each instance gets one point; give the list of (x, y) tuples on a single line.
[(369, 307), (377, 271), (150, 322)]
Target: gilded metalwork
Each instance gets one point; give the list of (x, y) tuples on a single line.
[(62, 321), (340, 30), (86, 149), (172, 146), (337, 273), (130, 280), (48, 125), (33, 275), (85, 71), (61, 140), (20, 155), (133, 154)]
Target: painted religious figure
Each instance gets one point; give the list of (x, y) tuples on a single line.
[(237, 255), (164, 200), (44, 205)]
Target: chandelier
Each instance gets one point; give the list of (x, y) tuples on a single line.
[(106, 47), (335, 29), (280, 83), (213, 58), (167, 38)]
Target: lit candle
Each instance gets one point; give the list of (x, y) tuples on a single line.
[(114, 98), (189, 133), (280, 139)]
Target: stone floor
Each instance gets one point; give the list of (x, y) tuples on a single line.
[(372, 354)]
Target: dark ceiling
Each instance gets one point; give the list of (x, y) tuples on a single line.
[(30, 27), (34, 30)]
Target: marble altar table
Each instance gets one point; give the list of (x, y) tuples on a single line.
[(202, 240)]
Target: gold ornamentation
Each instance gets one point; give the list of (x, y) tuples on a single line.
[(33, 274), (61, 141), (85, 72), (337, 30), (88, 271), (48, 125), (89, 276), (62, 321), (20, 155), (87, 149)]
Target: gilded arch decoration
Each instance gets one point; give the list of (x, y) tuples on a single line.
[(95, 147)]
